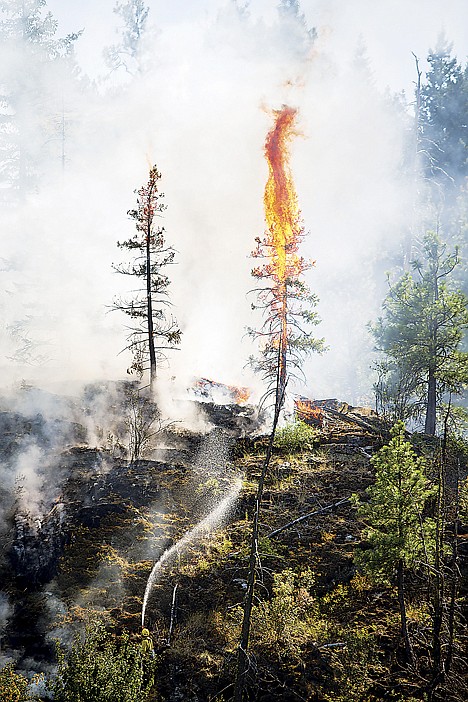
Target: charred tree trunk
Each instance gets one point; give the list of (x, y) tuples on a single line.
[(455, 584), (149, 302), (242, 655), (283, 346), (403, 617)]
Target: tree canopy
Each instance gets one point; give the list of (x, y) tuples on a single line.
[(421, 333)]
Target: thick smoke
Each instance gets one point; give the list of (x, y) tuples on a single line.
[(200, 109)]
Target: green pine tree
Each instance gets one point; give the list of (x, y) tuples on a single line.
[(443, 110), (420, 334), (38, 73), (400, 537)]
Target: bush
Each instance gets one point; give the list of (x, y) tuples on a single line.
[(295, 437), (13, 686), (100, 668), (287, 621)]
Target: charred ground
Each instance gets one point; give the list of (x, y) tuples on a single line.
[(321, 630)]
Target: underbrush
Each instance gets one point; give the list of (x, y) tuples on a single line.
[(296, 437)]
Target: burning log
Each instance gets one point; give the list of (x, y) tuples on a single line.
[(308, 411), (315, 412)]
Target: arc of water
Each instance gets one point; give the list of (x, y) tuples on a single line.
[(208, 523)]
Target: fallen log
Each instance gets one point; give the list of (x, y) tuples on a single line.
[(353, 420)]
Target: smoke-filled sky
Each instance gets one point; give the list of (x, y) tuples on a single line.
[(201, 110), (390, 29)]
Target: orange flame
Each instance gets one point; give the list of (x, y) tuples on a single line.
[(285, 231), (240, 394), (280, 200), (308, 411), (237, 394)]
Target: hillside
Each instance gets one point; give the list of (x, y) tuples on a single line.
[(321, 630)]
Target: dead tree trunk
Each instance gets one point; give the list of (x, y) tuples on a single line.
[(403, 616), (430, 423), (254, 564), (149, 303)]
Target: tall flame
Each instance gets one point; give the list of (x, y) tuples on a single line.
[(280, 200), (285, 232)]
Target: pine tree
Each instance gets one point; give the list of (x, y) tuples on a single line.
[(443, 119), (154, 330), (420, 334), (100, 667), (399, 536), (35, 63), (126, 53), (285, 336)]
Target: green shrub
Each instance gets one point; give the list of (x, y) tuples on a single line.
[(287, 621), (100, 668), (295, 437), (14, 687)]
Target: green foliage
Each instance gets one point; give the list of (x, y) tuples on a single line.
[(420, 334), (295, 437), (293, 620), (288, 620), (396, 527), (14, 687), (444, 105), (101, 669), (353, 664)]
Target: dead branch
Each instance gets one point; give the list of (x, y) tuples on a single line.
[(306, 516)]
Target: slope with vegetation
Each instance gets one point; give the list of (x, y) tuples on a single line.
[(326, 620)]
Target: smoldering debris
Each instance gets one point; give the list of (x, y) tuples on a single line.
[(61, 491)]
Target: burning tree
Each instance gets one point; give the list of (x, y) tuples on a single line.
[(285, 336), (154, 330), (285, 300)]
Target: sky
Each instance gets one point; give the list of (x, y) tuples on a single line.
[(391, 30), (202, 112)]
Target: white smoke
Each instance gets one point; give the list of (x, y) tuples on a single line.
[(202, 113)]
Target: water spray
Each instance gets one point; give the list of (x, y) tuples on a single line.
[(208, 524)]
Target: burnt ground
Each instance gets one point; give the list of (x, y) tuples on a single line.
[(321, 630)]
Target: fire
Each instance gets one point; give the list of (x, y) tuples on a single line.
[(240, 394), (280, 200), (308, 411), (211, 389), (285, 232)]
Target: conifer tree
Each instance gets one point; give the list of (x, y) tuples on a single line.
[(99, 668), (420, 333), (35, 65), (285, 337), (125, 53), (154, 330), (443, 124), (400, 537)]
